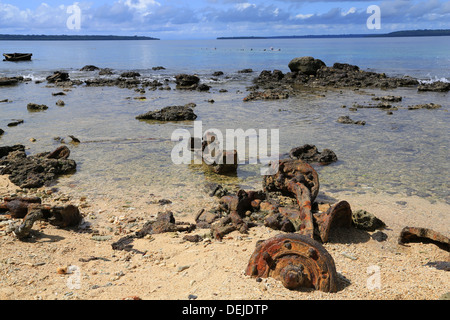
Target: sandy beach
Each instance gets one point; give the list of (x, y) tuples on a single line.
[(172, 268)]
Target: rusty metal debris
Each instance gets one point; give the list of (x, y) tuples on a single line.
[(296, 260), (300, 180), (17, 207), (297, 180), (416, 234), (31, 209), (60, 216), (213, 157), (165, 222)]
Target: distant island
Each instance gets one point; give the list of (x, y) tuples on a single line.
[(69, 37), (407, 33)]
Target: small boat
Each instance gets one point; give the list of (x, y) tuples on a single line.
[(17, 56)]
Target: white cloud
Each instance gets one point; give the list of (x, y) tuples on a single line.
[(245, 5), (304, 16), (141, 4)]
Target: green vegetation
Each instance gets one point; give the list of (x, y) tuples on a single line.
[(407, 33), (69, 37)]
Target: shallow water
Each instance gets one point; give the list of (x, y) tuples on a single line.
[(119, 156), (405, 153)]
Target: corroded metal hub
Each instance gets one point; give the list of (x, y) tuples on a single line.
[(296, 260)]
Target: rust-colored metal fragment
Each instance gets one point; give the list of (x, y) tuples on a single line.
[(296, 260), (338, 215), (18, 206), (60, 216), (299, 179), (416, 234)]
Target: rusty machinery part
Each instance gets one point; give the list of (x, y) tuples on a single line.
[(296, 170), (299, 179), (18, 206), (416, 234), (338, 215), (296, 260)]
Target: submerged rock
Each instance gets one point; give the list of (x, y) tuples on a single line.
[(437, 86), (347, 120), (310, 153), (15, 122), (170, 113), (425, 106), (36, 107), (268, 94)]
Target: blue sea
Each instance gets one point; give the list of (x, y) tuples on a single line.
[(405, 153)]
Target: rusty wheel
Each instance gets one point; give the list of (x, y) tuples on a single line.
[(296, 260)]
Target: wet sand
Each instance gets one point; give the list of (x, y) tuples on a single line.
[(173, 268)]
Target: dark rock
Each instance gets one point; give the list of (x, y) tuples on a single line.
[(437, 86), (388, 98), (10, 81), (130, 74), (60, 103), (366, 221), (105, 72), (158, 68), (379, 236), (33, 171), (186, 81), (345, 67), (347, 120), (248, 70), (268, 94), (6, 150), (429, 106), (267, 76), (217, 73), (58, 76), (203, 87), (15, 122), (36, 107), (58, 94), (170, 113), (1, 132), (89, 68), (310, 153), (306, 65)]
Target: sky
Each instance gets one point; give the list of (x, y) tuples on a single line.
[(208, 19)]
